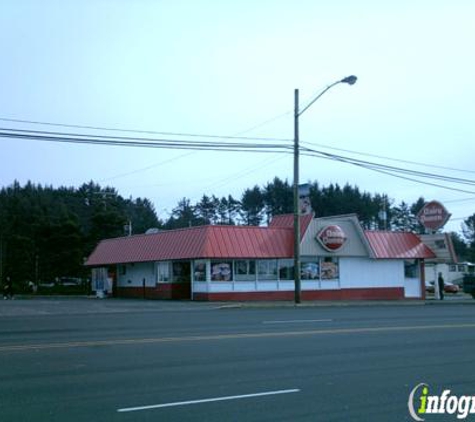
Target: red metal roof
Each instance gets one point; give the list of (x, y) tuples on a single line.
[(217, 242), (287, 220), (392, 245), (194, 243)]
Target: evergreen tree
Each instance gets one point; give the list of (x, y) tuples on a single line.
[(46, 232), (278, 198), (402, 218), (141, 215), (207, 209), (252, 206), (183, 215)]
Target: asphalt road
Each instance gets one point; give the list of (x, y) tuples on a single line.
[(120, 360)]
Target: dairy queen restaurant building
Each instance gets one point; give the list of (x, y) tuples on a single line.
[(339, 261)]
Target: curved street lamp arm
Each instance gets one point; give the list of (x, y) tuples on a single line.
[(350, 80)]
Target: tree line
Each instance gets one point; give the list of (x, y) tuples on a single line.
[(48, 232)]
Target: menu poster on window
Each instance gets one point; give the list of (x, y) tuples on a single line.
[(200, 271), (310, 271), (329, 270), (221, 271)]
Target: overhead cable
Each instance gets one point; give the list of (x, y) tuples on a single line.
[(149, 132)]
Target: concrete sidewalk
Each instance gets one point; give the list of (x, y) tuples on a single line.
[(29, 305), (459, 300)]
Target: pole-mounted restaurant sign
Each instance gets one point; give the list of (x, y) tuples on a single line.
[(433, 215)]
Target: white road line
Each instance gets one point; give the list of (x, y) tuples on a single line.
[(296, 321), (186, 403)]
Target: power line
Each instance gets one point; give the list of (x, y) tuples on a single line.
[(235, 137), (245, 172), (226, 146), (399, 160), (396, 169), (147, 168), (149, 132), (141, 142), (390, 170)]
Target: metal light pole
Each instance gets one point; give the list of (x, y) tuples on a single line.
[(350, 80)]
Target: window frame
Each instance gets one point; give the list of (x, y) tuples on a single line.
[(269, 269), (223, 275), (200, 267), (333, 264), (286, 265), (250, 270)]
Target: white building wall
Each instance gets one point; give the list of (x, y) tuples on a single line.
[(364, 273), (200, 287), (244, 286), (412, 288), (220, 287), (135, 274), (353, 273)]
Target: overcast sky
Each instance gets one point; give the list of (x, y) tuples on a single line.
[(223, 67)]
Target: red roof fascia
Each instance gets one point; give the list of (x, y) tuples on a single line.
[(394, 245)]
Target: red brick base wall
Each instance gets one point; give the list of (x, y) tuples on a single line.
[(183, 291), (388, 293), (161, 291)]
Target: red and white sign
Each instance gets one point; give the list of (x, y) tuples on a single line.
[(332, 238), (433, 215)]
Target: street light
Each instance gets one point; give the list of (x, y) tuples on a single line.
[(350, 80)]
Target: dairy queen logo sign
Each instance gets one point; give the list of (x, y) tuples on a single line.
[(433, 215), (332, 238)]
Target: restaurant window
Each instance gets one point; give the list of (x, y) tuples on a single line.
[(461, 268), (199, 271), (411, 269), (244, 270), (330, 268), (123, 270), (310, 270), (221, 271), (267, 269), (286, 269), (181, 272), (163, 272), (452, 268)]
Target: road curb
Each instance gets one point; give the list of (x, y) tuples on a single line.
[(326, 304)]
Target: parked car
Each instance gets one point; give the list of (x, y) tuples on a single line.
[(451, 288), (47, 284), (69, 281), (448, 287)]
